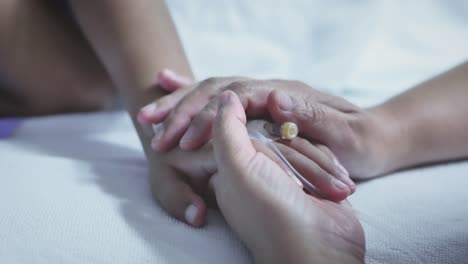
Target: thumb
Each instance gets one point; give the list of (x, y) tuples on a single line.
[(240, 165), (232, 146), (316, 121), (172, 81)]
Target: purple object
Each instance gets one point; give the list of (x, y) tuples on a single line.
[(8, 127)]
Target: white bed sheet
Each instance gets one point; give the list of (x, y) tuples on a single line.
[(74, 188)]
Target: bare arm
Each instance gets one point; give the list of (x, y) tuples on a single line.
[(428, 123), (46, 65), (134, 40), (425, 124)]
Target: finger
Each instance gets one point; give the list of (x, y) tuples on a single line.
[(170, 131), (199, 131), (329, 186), (177, 197), (244, 176), (171, 81), (179, 119), (261, 147), (345, 178), (252, 95), (316, 121), (232, 146), (157, 111), (326, 160), (198, 164)]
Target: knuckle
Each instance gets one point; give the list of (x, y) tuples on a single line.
[(239, 87), (192, 97), (165, 101), (208, 88), (209, 82), (178, 117), (206, 116), (298, 84), (312, 112), (209, 111)]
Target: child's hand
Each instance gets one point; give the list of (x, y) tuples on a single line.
[(315, 161), (356, 136)]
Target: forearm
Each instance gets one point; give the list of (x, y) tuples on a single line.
[(134, 40), (429, 122), (46, 65)]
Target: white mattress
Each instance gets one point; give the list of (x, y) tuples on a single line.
[(75, 188)]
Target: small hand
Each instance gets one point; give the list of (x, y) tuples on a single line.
[(180, 181), (278, 222), (315, 161), (356, 136)]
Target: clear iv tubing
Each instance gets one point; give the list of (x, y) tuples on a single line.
[(257, 131)]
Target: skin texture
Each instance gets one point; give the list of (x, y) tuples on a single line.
[(428, 122), (188, 113), (87, 63), (47, 66), (115, 52), (313, 160), (422, 122), (134, 41), (277, 221), (52, 65)]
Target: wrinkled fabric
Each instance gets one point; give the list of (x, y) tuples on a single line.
[(75, 187)]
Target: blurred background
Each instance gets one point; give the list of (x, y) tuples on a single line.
[(364, 50)]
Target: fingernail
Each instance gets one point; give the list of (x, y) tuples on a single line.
[(339, 185), (191, 214), (284, 101)]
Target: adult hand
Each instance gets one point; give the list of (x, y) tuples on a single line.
[(181, 187), (314, 161), (277, 221), (356, 136)]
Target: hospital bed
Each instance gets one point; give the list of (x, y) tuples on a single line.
[(74, 188)]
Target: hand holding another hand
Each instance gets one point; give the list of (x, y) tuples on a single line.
[(278, 221), (357, 137)]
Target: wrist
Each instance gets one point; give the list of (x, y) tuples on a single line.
[(390, 140)]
